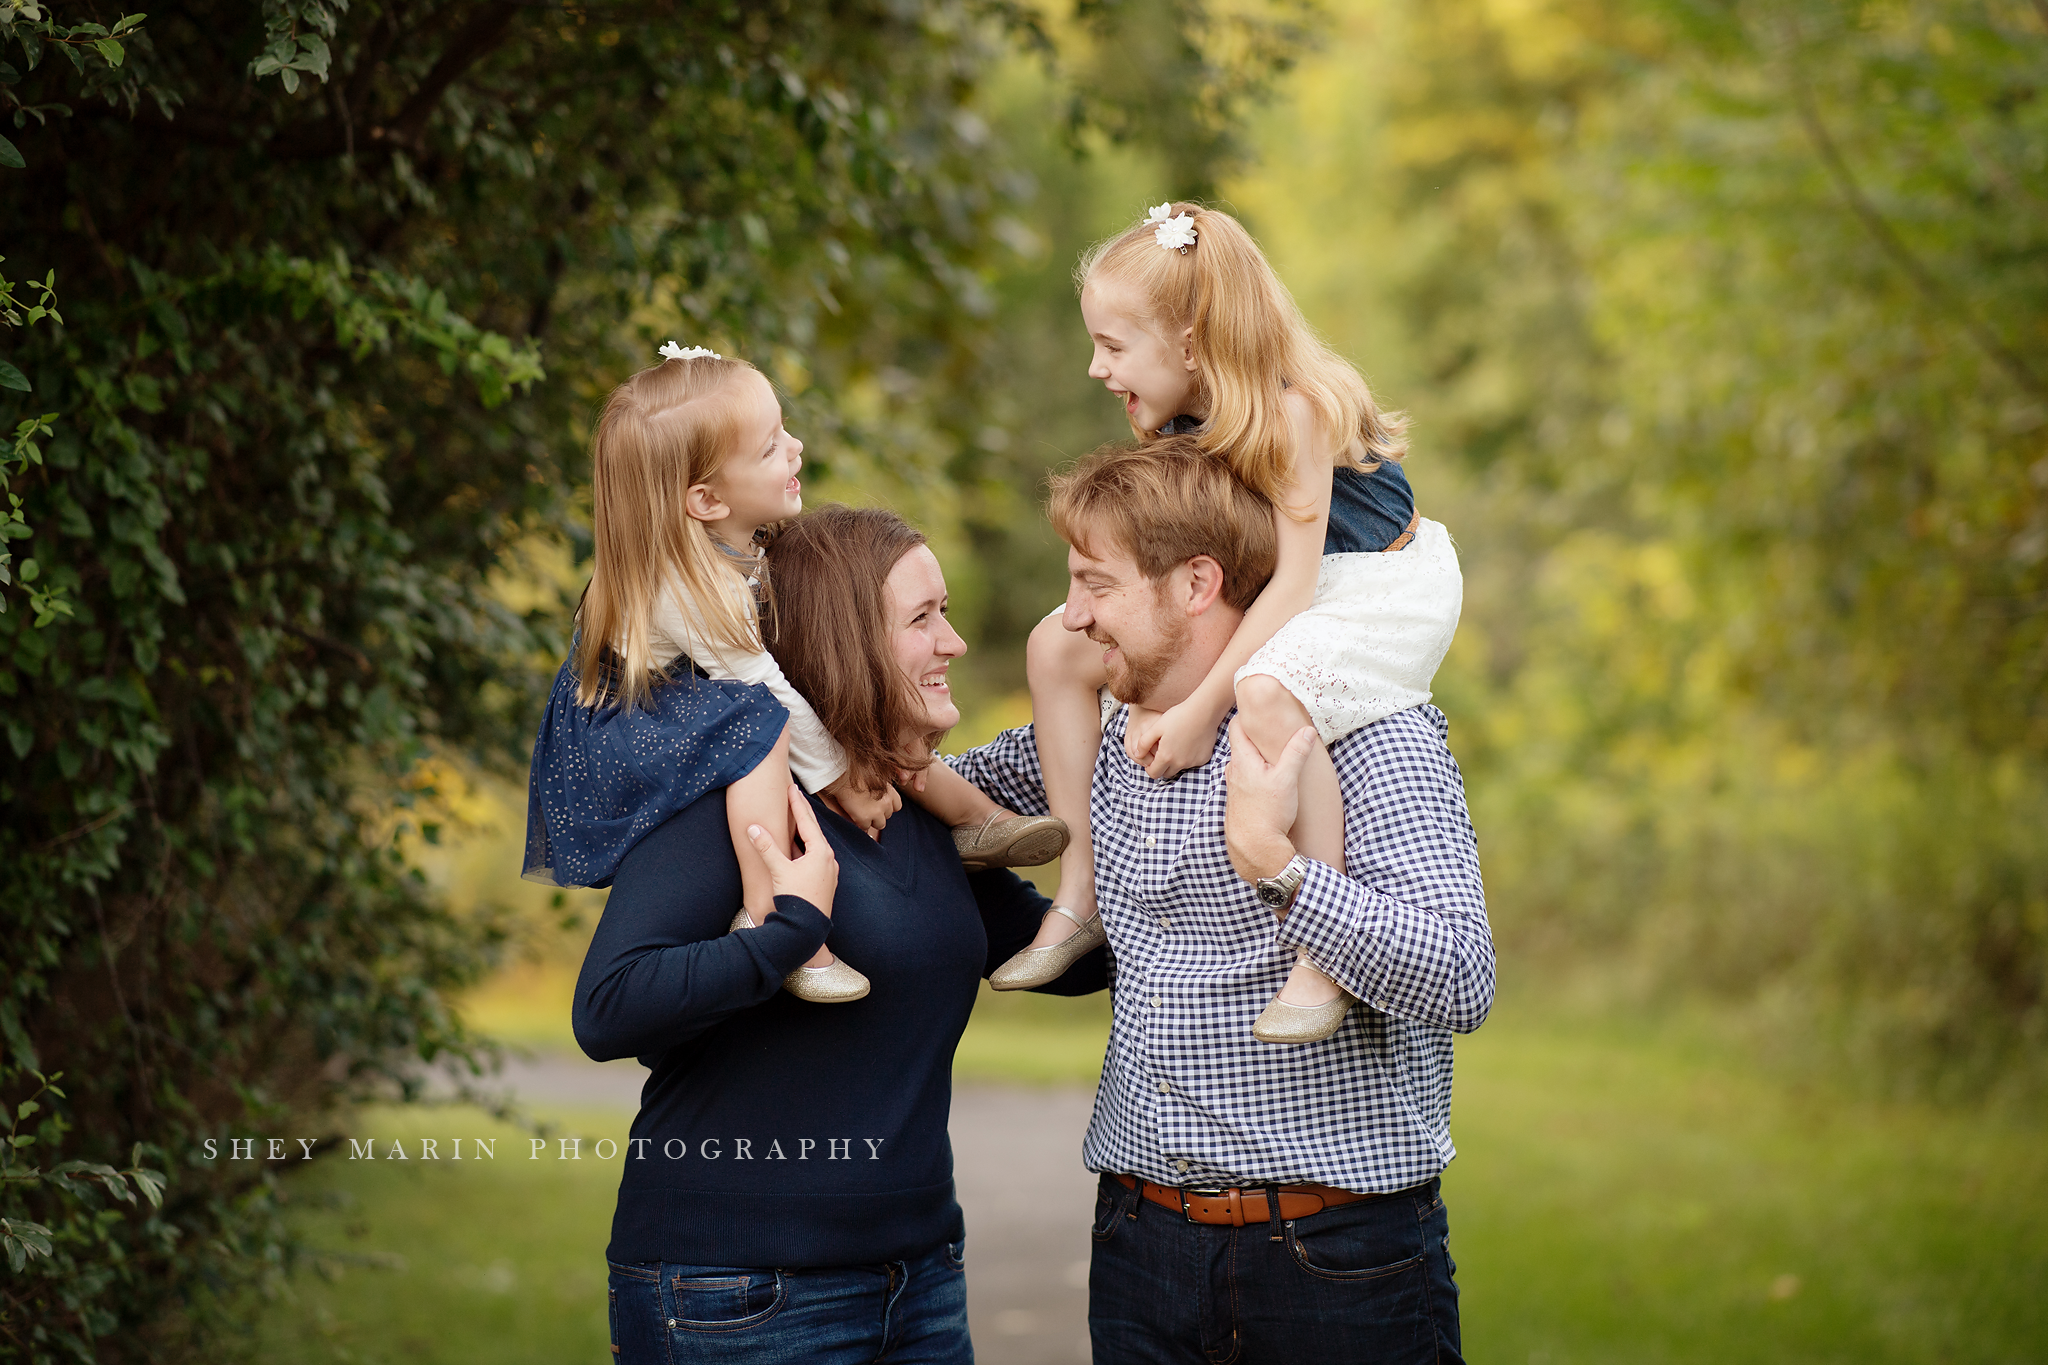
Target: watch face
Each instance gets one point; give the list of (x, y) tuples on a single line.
[(1270, 895)]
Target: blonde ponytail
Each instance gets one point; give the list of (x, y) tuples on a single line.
[(666, 428), (1252, 344)]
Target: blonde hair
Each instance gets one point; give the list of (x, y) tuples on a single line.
[(666, 428), (1251, 344)]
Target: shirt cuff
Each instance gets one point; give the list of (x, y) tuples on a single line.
[(792, 935), (1334, 925)]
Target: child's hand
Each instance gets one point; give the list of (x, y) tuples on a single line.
[(871, 809), (814, 874), (868, 809), (1166, 743)]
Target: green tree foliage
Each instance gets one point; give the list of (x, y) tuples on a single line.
[(1736, 317), (292, 422)]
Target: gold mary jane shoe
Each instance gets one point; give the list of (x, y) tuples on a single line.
[(1018, 841), (1283, 1023), (835, 984), (1036, 966)]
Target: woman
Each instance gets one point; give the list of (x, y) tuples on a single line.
[(788, 1191)]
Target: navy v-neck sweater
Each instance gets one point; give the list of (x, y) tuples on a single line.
[(772, 1132)]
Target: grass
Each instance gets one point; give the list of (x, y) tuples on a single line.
[(1626, 1191), (447, 1264)]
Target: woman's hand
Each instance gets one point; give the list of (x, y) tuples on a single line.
[(868, 809), (1167, 743), (814, 874)]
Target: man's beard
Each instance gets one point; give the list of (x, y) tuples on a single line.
[(1134, 678)]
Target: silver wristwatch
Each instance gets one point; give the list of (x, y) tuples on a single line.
[(1277, 893)]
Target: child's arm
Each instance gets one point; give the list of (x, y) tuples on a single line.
[(1183, 736), (815, 758)]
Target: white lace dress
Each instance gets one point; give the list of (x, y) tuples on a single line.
[(1370, 643)]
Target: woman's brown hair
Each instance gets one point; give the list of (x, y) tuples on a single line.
[(830, 631)]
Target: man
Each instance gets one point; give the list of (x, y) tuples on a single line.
[(1257, 1203)]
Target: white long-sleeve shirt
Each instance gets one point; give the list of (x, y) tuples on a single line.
[(815, 758)]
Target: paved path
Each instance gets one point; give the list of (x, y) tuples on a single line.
[(1017, 1162)]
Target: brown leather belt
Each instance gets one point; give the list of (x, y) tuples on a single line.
[(1235, 1208)]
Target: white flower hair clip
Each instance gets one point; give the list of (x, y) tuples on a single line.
[(670, 351), (1174, 233)]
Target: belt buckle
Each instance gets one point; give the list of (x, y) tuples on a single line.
[(1233, 1203)]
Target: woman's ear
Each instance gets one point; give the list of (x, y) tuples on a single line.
[(1187, 352), (704, 505)]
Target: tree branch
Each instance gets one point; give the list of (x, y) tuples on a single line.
[(474, 41), (1902, 255)]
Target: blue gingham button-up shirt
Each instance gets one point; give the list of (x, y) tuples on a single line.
[(1188, 1097)]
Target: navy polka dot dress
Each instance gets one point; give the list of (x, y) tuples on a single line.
[(603, 776)]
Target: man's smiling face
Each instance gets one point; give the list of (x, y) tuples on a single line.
[(1113, 603)]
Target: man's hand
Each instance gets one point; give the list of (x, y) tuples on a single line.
[(1168, 743), (813, 875), (1263, 801), (868, 809)]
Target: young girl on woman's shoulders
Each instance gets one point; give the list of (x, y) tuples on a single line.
[(668, 692), (1195, 333)]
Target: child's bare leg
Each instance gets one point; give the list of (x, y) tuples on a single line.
[(1271, 715), (953, 798), (1065, 672), (762, 798)]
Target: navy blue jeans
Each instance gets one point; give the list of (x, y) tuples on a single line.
[(905, 1313), (1367, 1283)]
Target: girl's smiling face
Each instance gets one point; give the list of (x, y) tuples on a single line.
[(758, 482), (1155, 378)]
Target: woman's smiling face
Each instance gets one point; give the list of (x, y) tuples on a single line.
[(923, 640), (1153, 377)]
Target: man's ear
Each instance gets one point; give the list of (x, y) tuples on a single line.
[(1204, 584), (704, 505)]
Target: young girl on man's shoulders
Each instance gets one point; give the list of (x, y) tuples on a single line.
[(1195, 333)]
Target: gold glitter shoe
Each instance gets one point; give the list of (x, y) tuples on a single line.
[(1015, 841), (834, 984), (1036, 966), (1283, 1023)]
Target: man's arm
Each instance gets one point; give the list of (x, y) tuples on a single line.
[(1405, 931), (1007, 769)]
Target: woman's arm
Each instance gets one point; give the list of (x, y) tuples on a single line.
[(662, 967), (1183, 736)]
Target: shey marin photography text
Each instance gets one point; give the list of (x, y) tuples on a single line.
[(275, 1149)]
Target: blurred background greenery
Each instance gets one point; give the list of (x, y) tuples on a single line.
[(1724, 328)]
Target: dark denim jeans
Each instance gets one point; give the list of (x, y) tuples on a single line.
[(1368, 1283), (905, 1312)]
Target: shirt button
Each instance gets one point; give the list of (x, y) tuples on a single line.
[(1165, 1088), (1151, 842), (1165, 923), (1155, 1002), (1180, 1165)]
